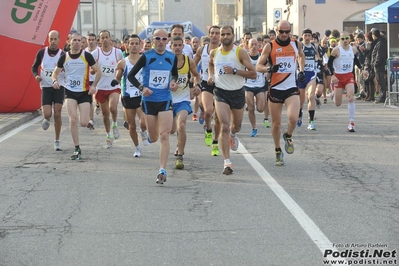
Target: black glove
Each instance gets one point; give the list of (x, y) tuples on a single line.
[(114, 82), (301, 76), (274, 68)]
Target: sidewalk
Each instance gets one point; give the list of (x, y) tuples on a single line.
[(9, 121)]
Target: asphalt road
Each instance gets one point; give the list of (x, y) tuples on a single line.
[(337, 192)]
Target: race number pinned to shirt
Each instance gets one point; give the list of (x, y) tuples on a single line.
[(46, 75), (220, 67), (74, 82), (159, 79), (287, 64), (309, 65), (108, 70)]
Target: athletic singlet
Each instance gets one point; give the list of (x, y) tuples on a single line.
[(183, 91), (310, 57), (156, 75), (260, 80), (107, 65), (343, 64), (128, 90), (286, 57), (205, 62), (230, 58), (47, 67), (76, 73)]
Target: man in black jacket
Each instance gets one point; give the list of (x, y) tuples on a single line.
[(378, 60)]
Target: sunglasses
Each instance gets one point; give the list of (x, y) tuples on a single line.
[(161, 38), (345, 38), (284, 31)]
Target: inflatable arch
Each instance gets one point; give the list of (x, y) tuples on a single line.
[(23, 31)]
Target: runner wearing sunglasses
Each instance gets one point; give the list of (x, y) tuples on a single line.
[(285, 56), (341, 64)]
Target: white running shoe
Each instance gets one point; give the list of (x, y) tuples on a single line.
[(115, 131), (45, 124), (98, 109), (144, 137), (90, 125), (137, 153), (109, 140), (351, 127), (234, 142), (57, 146)]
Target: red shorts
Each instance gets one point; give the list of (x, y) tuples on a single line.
[(344, 79), (103, 95)]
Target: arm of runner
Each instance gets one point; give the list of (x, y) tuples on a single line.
[(174, 76), (334, 54), (131, 76), (95, 56), (196, 89), (197, 56), (36, 64), (57, 71), (211, 68), (54, 77), (261, 65), (120, 68), (301, 58), (97, 71)]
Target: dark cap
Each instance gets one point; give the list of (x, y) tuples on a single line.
[(327, 33), (307, 30), (376, 33)]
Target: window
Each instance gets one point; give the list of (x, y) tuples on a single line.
[(87, 17)]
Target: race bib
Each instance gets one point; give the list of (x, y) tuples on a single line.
[(46, 75), (108, 70), (182, 81), (74, 82), (309, 65), (347, 65), (133, 91), (287, 64), (159, 79), (219, 67)]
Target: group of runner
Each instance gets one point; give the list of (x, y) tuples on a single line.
[(158, 85)]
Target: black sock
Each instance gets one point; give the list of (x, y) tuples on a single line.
[(311, 115), (77, 147), (215, 142), (277, 149), (209, 130), (300, 112)]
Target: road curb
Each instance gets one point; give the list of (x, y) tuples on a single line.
[(13, 123)]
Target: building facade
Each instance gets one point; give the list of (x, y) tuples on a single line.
[(257, 16), (116, 16), (318, 15)]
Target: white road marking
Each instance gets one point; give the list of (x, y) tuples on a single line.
[(20, 128), (314, 232)]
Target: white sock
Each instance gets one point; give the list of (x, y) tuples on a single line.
[(351, 109)]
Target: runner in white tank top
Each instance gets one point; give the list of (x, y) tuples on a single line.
[(107, 95), (229, 65), (341, 64), (206, 103)]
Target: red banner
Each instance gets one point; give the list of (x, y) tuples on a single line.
[(24, 28)]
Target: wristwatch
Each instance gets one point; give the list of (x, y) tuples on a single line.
[(234, 71), (141, 87)]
